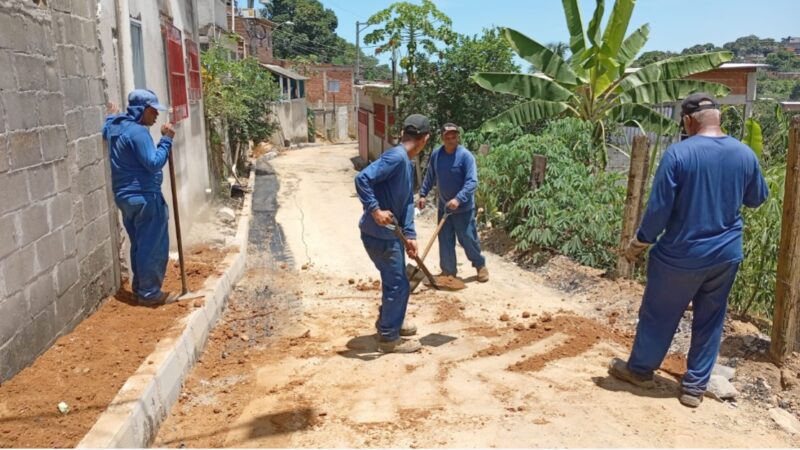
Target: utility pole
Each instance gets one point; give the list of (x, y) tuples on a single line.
[(360, 26), (358, 52)]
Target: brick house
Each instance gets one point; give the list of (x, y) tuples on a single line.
[(330, 94), (375, 120), (739, 77), (256, 36)]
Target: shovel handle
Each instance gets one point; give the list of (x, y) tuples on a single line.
[(399, 233), (435, 233)]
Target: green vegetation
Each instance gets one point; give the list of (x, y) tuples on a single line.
[(312, 37), (576, 212), (593, 84), (236, 98), (418, 28)]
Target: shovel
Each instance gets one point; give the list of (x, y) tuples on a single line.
[(399, 233), (413, 271)]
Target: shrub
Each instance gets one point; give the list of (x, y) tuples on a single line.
[(576, 212), (754, 290)]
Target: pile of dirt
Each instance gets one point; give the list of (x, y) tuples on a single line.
[(262, 149), (369, 285), (86, 368), (449, 309), (582, 334), (449, 283)]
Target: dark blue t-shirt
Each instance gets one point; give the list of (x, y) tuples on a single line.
[(387, 184), (696, 200), (456, 176)]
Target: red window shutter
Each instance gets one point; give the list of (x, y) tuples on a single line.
[(177, 73), (380, 120), (391, 116), (195, 88)]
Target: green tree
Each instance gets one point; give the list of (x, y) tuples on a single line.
[(237, 95), (312, 32), (784, 61), (700, 48), (751, 45), (651, 57), (419, 27), (594, 85), (444, 90)]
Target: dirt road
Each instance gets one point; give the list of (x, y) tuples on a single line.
[(293, 364)]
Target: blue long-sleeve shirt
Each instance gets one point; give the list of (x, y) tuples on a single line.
[(456, 176), (136, 162), (387, 184), (698, 191)]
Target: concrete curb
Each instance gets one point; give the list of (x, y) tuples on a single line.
[(141, 405)]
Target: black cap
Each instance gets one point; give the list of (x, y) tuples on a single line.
[(698, 102), (450, 126), (416, 124)]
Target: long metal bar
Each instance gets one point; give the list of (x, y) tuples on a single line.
[(184, 288)]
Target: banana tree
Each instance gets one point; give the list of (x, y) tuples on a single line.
[(596, 84)]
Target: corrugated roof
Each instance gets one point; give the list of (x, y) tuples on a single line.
[(288, 73)]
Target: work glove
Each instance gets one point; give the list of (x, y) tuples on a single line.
[(635, 249)]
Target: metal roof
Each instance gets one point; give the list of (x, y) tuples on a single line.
[(790, 106), (730, 66), (288, 73)]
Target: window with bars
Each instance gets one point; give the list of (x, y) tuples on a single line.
[(195, 87), (176, 72)]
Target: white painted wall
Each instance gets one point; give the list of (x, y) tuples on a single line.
[(190, 152)]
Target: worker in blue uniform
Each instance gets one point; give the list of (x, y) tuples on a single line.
[(452, 169), (386, 191), (136, 176), (694, 220)]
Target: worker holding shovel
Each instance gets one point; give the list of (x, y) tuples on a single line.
[(386, 191), (452, 168), (136, 176)]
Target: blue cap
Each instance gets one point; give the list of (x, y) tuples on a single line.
[(145, 97)]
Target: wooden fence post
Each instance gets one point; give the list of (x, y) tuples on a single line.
[(785, 337), (637, 179), (538, 171)]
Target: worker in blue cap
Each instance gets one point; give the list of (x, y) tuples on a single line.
[(136, 176), (694, 223)]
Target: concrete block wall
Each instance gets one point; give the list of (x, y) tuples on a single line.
[(57, 250)]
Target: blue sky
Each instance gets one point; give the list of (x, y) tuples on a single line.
[(674, 24)]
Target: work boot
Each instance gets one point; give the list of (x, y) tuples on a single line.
[(689, 400), (399, 345), (166, 297), (619, 369), (483, 274), (408, 329)]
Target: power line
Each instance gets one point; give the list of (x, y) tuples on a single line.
[(352, 13)]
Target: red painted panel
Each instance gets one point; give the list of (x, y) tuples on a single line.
[(177, 73)]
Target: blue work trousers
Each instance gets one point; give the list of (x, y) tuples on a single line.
[(145, 217), (464, 227), (666, 297), (390, 260)]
